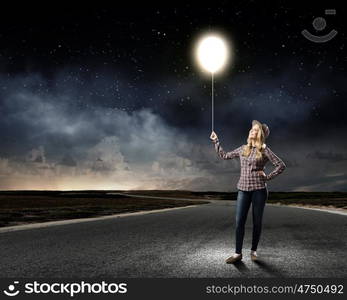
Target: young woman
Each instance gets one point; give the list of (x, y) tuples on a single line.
[(252, 187)]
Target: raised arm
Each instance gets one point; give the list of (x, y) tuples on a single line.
[(276, 161), (226, 155)]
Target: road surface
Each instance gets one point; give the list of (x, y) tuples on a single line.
[(187, 242)]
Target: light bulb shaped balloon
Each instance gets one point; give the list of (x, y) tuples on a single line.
[(212, 53)]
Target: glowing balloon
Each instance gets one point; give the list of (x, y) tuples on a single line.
[(212, 53)]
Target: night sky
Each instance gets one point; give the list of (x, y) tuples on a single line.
[(111, 97)]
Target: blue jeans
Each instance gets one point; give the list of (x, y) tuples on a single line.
[(244, 200)]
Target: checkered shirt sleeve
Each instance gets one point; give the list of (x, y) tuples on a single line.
[(226, 155), (276, 161)]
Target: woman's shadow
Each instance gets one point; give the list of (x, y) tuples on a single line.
[(266, 267)]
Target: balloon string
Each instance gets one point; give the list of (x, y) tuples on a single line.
[(212, 105)]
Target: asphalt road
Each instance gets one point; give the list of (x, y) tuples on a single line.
[(187, 242)]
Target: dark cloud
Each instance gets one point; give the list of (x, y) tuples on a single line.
[(71, 139), (330, 156), (67, 160)]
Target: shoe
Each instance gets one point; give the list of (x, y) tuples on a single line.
[(254, 255), (233, 259)]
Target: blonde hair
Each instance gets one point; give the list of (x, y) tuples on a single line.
[(259, 143)]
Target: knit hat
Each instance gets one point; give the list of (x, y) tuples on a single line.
[(265, 128)]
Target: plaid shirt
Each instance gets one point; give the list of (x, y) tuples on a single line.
[(250, 178)]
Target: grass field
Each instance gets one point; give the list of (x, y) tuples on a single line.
[(334, 199), (22, 207)]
